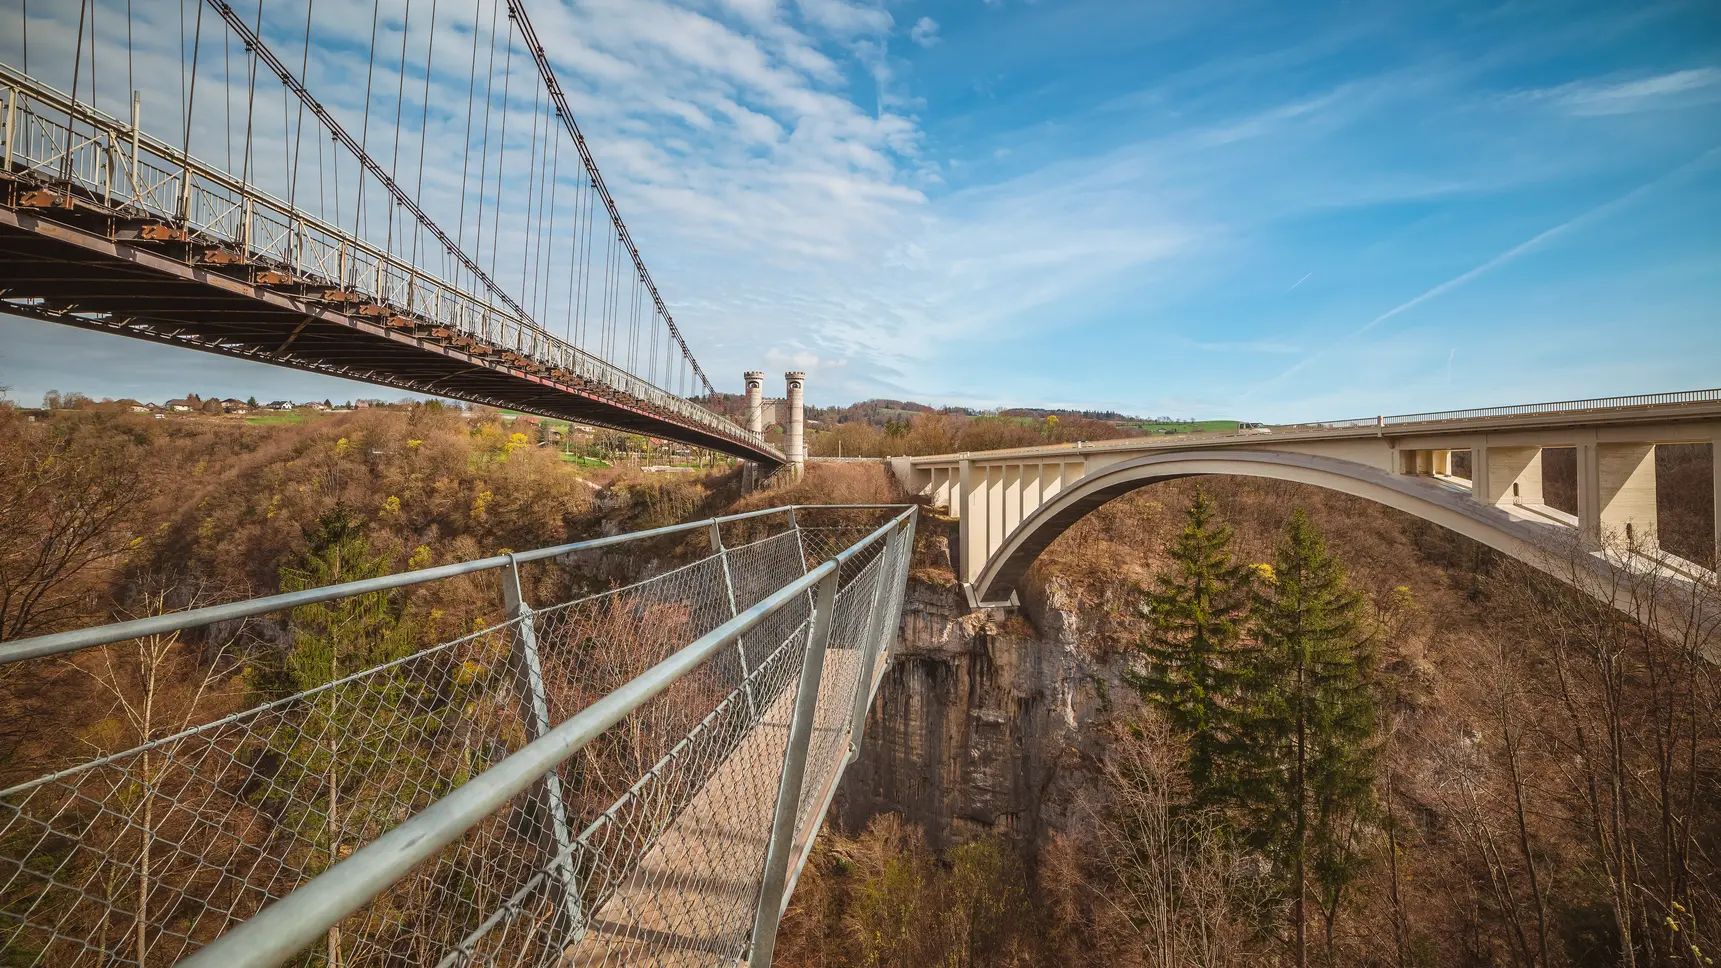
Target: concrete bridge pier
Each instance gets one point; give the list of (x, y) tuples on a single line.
[(1615, 487)]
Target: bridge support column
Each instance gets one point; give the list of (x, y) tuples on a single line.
[(972, 493), (795, 424), (1011, 484), (1506, 475), (1715, 485), (1620, 488), (943, 489)]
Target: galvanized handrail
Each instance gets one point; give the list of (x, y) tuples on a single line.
[(57, 643), (281, 930)]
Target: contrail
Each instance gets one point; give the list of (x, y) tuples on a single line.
[(1534, 242), (1299, 282)]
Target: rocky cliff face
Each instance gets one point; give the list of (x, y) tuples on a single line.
[(983, 724)]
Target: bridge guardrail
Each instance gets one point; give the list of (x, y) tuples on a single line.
[(556, 783), (1559, 406), (47, 135)]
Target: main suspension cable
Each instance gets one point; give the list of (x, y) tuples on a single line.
[(517, 12)]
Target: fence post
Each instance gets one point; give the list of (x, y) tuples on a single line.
[(537, 716), (740, 640), (11, 126), (109, 164), (782, 843), (136, 119), (870, 644)]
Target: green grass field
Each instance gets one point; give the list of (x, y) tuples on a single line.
[(1150, 426), (281, 417), (581, 461), (1182, 426)]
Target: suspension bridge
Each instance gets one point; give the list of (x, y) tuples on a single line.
[(257, 181)]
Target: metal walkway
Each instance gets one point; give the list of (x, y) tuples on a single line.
[(633, 776)]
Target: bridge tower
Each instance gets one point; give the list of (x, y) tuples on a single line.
[(755, 380), (755, 401), (795, 424)]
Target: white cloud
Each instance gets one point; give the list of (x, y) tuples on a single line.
[(1659, 92), (925, 32), (845, 19)]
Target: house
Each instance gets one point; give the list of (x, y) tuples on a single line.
[(185, 405), (280, 405), (231, 405)]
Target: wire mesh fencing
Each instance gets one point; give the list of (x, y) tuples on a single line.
[(646, 844)]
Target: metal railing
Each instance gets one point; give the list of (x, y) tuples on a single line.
[(47, 136), (631, 776), (1559, 406)]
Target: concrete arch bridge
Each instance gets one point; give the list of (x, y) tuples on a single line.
[(1479, 473)]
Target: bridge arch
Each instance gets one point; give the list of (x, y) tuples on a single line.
[(1535, 544)]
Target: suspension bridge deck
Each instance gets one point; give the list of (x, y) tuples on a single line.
[(77, 269)]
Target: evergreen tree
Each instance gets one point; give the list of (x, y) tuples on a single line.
[(1306, 766), (354, 739), (1196, 615), (333, 639)]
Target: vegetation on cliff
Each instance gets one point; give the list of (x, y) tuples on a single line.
[(1498, 770)]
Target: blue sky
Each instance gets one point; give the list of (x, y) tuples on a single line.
[(1265, 211)]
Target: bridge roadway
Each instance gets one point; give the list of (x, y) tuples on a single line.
[(1011, 504)]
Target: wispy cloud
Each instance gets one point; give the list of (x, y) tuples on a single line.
[(1657, 92), (1535, 242)]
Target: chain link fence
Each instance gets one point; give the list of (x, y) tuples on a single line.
[(646, 842)]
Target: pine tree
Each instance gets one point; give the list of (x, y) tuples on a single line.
[(345, 731), (1196, 615), (1308, 758)]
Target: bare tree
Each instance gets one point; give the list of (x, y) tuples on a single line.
[(160, 687), (1168, 871), (63, 513), (1635, 699)]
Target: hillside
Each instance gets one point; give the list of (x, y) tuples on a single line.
[(1535, 781), (997, 816)]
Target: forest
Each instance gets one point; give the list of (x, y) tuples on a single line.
[(1323, 732), (1336, 736)]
